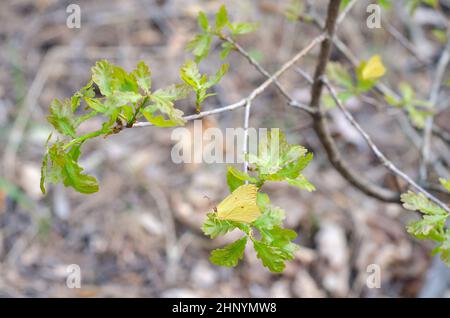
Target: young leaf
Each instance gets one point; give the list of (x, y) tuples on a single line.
[(230, 255), (200, 46), (214, 227), (236, 178), (63, 166), (190, 74), (271, 216), (445, 183), (444, 249), (243, 27), (62, 117), (295, 10), (163, 100), (275, 155), (281, 239), (115, 82), (143, 76), (226, 49), (96, 105), (221, 18), (102, 75), (302, 183), (418, 202), (44, 166), (272, 257), (203, 21), (430, 227), (337, 73)]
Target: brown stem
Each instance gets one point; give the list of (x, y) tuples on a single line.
[(321, 124)]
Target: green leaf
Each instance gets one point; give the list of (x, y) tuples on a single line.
[(432, 224), (230, 255), (114, 80), (102, 75), (213, 80), (61, 166), (344, 4), (440, 35), (292, 170), (190, 74), (275, 156), (62, 117), (417, 110), (226, 49), (143, 76), (162, 101), (13, 192), (213, 227), (281, 239), (236, 178), (444, 249), (272, 257), (203, 21), (445, 183), (340, 75), (43, 173), (243, 27), (430, 227), (418, 117), (302, 183), (270, 216), (85, 92), (418, 202), (44, 166), (221, 18), (96, 105), (159, 120), (200, 46), (295, 10)]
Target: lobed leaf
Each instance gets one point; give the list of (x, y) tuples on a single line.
[(230, 255), (213, 227)]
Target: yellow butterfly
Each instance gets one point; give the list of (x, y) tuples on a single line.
[(240, 205), (373, 68)]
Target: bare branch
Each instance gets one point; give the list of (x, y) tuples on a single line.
[(320, 122), (383, 159), (256, 92), (434, 96), (248, 106)]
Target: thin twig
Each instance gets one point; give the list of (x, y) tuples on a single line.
[(434, 96), (383, 159), (256, 92), (344, 13), (260, 69), (398, 36), (321, 124), (248, 106), (380, 87)]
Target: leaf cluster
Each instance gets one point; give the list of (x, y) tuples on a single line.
[(432, 226), (272, 243)]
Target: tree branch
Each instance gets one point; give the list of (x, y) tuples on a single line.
[(383, 159), (320, 122), (434, 96), (256, 92)]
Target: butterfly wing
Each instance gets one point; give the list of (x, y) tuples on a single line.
[(240, 205), (374, 69)]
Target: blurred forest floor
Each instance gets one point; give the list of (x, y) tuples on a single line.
[(140, 234)]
